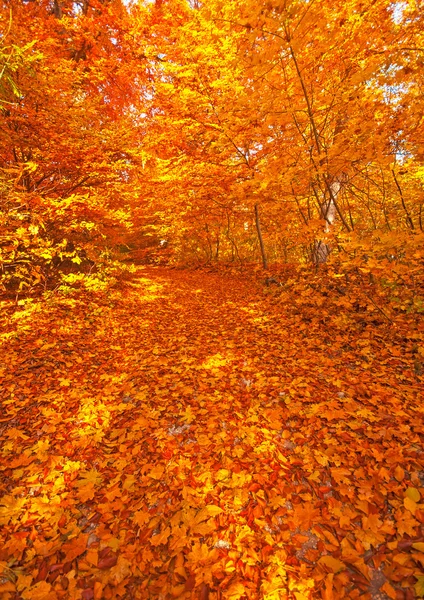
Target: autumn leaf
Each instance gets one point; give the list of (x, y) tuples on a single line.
[(141, 518), (75, 547), (207, 512), (419, 587), (332, 563), (418, 546), (236, 590), (40, 590), (161, 538), (413, 494), (389, 590), (399, 473), (157, 472), (410, 505)]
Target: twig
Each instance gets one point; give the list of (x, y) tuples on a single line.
[(381, 310)]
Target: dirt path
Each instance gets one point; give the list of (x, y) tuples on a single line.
[(191, 437)]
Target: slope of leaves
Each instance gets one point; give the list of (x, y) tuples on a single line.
[(193, 435)]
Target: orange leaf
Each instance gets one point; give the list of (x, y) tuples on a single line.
[(399, 473), (410, 505), (389, 590), (40, 591), (75, 547), (157, 472), (161, 538), (332, 563), (236, 591)]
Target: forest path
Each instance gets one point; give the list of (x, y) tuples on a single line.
[(189, 436)]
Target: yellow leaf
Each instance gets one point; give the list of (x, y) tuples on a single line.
[(413, 493), (121, 570), (199, 553), (315, 476), (332, 563), (340, 474), (213, 510), (330, 537), (157, 472), (188, 416), (236, 591), (202, 515), (222, 474), (418, 546), (92, 475)]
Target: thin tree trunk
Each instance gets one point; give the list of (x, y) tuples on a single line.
[(322, 250), (234, 248), (217, 248), (408, 216), (260, 238), (57, 9), (332, 205)]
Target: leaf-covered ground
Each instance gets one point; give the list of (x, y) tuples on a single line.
[(200, 436)]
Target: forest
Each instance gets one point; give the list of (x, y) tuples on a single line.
[(211, 299)]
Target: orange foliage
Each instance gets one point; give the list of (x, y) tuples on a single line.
[(170, 433)]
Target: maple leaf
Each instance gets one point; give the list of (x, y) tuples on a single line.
[(161, 538), (9, 507), (75, 547), (157, 472), (332, 563), (236, 591), (305, 514), (40, 590)]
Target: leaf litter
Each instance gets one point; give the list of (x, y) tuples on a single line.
[(180, 446)]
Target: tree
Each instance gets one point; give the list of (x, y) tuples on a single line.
[(293, 109), (67, 136)]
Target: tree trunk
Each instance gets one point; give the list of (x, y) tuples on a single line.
[(260, 238), (57, 9), (328, 212)]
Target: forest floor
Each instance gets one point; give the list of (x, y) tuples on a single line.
[(197, 435)]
